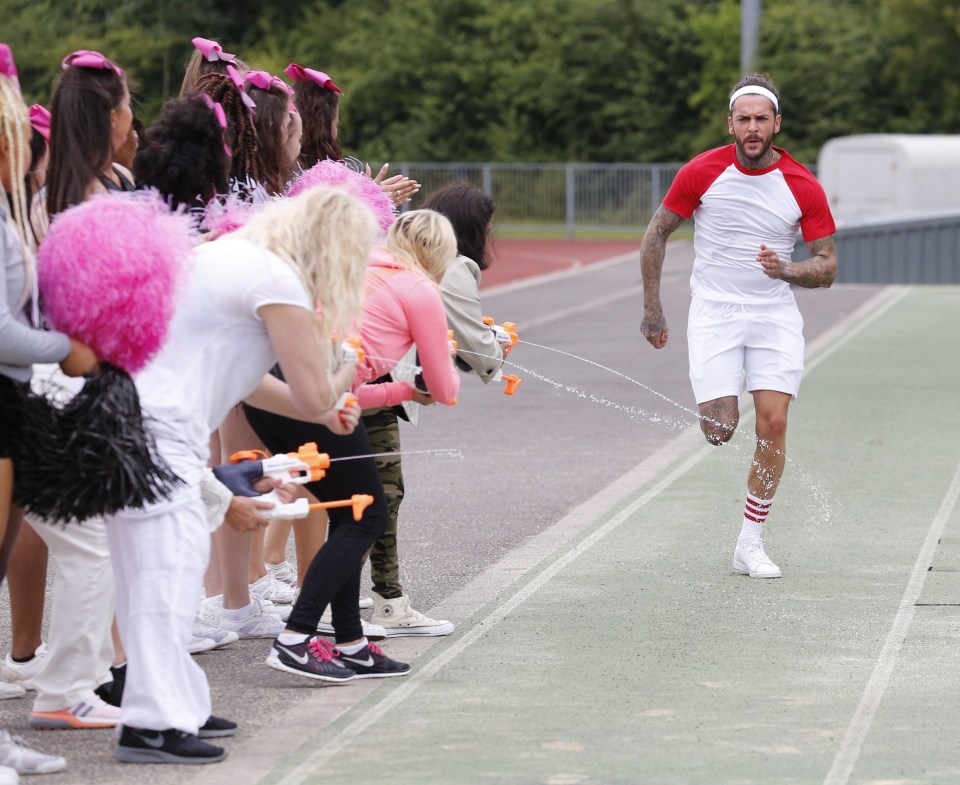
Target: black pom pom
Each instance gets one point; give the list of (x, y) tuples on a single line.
[(92, 456)]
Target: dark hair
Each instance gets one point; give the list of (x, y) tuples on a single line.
[(470, 211), (757, 80), (241, 134), (38, 146), (271, 117), (318, 109), (182, 154), (80, 138)]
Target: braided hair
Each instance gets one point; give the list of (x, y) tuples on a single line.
[(241, 132)]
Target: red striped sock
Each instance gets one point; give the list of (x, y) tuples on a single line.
[(754, 514)]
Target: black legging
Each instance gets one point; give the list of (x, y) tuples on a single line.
[(333, 577)]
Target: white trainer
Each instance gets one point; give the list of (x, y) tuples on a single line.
[(258, 623), (10, 690), (219, 637), (23, 672), (284, 572), (9, 776), (750, 559), (366, 602), (399, 620), (269, 588), (373, 632), (199, 645), (15, 753)]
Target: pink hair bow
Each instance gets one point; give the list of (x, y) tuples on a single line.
[(266, 81), (238, 82), (86, 58), (8, 66), (221, 116), (300, 74), (40, 120), (212, 51)]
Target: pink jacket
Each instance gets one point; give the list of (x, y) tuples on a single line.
[(402, 307)]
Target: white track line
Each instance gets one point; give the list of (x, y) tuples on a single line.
[(828, 342), (856, 734)]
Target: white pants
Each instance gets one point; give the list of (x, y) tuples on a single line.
[(79, 644), (158, 559)]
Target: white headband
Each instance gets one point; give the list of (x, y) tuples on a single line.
[(752, 89)]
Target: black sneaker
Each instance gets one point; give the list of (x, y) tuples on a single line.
[(112, 691), (315, 658), (215, 727), (138, 745), (371, 663)]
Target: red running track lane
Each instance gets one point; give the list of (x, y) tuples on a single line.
[(517, 259)]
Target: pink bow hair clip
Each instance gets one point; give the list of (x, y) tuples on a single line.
[(300, 74), (85, 58), (212, 51), (221, 116), (238, 82), (40, 120), (266, 81), (8, 66)]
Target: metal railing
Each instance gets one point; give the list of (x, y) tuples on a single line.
[(902, 248), (569, 197)]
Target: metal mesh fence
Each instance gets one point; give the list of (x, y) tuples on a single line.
[(567, 197)]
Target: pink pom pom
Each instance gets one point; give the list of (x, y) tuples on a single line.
[(109, 271), (223, 217), (364, 188)]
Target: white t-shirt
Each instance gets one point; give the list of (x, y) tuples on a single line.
[(737, 209), (217, 349)]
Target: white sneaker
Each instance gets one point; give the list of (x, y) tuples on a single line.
[(284, 572), (23, 672), (269, 588), (282, 612), (9, 776), (366, 602), (373, 632), (10, 687), (199, 645), (398, 619), (750, 559), (258, 624), (15, 753), (10, 690), (219, 637)]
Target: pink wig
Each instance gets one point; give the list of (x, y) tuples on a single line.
[(109, 271), (337, 173)]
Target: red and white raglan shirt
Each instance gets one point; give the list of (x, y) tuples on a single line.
[(736, 210)]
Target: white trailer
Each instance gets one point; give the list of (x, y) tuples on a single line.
[(873, 174)]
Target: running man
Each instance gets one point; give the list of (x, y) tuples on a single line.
[(748, 200)]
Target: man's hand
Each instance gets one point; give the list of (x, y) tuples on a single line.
[(771, 264), (654, 327)]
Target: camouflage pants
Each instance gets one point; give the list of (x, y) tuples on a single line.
[(383, 430)]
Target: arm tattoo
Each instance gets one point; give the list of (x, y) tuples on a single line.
[(820, 269), (653, 249)]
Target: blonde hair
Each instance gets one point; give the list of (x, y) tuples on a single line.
[(325, 234), (425, 240), (14, 128), (198, 66)]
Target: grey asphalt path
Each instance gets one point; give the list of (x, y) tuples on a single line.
[(536, 469)]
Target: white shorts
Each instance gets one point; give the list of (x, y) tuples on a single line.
[(729, 343)]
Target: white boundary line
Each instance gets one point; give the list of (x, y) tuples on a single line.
[(859, 726), (826, 344)]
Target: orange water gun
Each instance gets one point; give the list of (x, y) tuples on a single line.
[(298, 468)]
